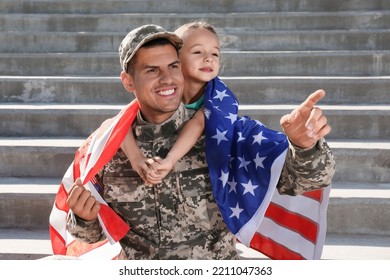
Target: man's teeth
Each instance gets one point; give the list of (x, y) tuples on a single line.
[(167, 92)]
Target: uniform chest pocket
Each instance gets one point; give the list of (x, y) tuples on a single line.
[(126, 195), (200, 210), (123, 189)]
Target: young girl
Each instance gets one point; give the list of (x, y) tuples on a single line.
[(200, 61)]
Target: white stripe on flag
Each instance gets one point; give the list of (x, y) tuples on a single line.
[(56, 219), (68, 179), (299, 204), (287, 238)]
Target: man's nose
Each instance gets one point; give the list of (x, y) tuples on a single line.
[(166, 77)]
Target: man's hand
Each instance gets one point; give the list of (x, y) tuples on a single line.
[(306, 124), (82, 203)]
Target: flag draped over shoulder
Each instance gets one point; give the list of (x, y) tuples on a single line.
[(245, 160), (95, 152)]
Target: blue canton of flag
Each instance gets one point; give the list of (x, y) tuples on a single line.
[(245, 160)]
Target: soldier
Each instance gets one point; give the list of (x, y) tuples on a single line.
[(179, 218)]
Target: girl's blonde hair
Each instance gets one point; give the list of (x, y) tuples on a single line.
[(195, 25)]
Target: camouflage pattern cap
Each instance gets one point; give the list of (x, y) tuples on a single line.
[(141, 35)]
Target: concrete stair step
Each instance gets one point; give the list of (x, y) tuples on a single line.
[(235, 63), (343, 119), (357, 160), (27, 202), (33, 244), (54, 120), (361, 160), (24, 244), (362, 208), (36, 157), (123, 21), (249, 90), (245, 40), (359, 208), (186, 6), (78, 120), (371, 124)]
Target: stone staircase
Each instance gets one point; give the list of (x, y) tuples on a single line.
[(59, 79)]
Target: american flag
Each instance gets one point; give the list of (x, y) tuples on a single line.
[(95, 152), (281, 227), (245, 160)]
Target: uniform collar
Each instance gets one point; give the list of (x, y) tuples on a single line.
[(147, 132)]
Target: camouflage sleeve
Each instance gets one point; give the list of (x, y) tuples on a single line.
[(307, 169), (86, 231)]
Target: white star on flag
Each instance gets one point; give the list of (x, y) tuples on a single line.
[(221, 94), (231, 117), (207, 113), (220, 136), (258, 138), (259, 161), (224, 177), (236, 211), (243, 163), (243, 120), (232, 185), (259, 123), (249, 187), (240, 138)]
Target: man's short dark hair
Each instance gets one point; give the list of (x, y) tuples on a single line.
[(150, 44)]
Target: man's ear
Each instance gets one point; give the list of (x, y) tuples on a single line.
[(127, 81)]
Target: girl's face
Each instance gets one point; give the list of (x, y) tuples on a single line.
[(200, 55)]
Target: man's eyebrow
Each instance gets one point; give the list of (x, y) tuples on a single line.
[(149, 66), (146, 66), (175, 62)]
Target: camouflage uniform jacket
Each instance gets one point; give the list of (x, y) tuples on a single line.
[(179, 219)]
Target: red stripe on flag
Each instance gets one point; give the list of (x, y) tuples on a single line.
[(61, 198), (115, 140), (316, 195), (116, 226), (273, 249), (79, 155), (57, 242), (293, 221)]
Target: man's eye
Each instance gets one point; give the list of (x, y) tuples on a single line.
[(197, 52)]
